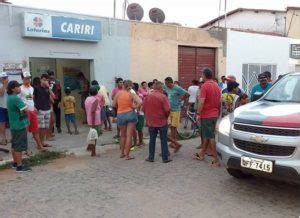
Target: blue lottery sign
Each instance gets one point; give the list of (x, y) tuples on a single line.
[(59, 27)]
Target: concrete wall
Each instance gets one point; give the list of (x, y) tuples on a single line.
[(293, 23), (110, 55), (249, 20), (249, 48), (154, 49), (135, 50)]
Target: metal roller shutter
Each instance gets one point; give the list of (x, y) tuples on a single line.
[(192, 61)]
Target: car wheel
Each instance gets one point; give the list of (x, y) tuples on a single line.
[(238, 173)]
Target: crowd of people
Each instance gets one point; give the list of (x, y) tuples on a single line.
[(35, 106)]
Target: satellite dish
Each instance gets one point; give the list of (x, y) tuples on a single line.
[(157, 15), (135, 12)]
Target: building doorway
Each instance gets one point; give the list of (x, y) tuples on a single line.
[(66, 71), (192, 61)]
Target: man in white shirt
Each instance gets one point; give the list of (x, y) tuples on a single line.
[(26, 96), (3, 107), (193, 91), (104, 113)]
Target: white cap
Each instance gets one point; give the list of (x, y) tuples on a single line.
[(3, 74), (26, 74)]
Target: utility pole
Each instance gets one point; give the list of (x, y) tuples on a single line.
[(220, 5), (115, 8), (225, 7)]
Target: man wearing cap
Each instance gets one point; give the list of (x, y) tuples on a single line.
[(261, 88), (232, 78), (230, 99), (3, 107), (27, 97), (18, 122)]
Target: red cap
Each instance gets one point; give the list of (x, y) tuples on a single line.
[(231, 78)]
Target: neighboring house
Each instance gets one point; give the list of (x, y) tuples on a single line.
[(251, 36), (273, 22), (293, 22)]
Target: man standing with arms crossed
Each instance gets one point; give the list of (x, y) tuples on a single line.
[(209, 110), (175, 93)]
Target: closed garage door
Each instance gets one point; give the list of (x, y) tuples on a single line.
[(192, 61)]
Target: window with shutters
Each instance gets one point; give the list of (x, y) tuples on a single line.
[(251, 71)]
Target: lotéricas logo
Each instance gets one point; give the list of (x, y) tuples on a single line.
[(38, 22)]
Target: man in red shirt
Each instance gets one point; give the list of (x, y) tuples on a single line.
[(209, 110), (157, 109)]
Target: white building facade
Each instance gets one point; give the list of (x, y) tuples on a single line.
[(256, 20), (248, 54)]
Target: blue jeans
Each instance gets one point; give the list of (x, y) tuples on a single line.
[(163, 133)]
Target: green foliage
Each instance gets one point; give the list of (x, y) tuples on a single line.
[(38, 159)]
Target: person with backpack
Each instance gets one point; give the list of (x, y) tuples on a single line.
[(229, 99)]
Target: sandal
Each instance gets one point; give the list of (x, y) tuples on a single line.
[(198, 157), (215, 164), (47, 146), (122, 155), (28, 153), (4, 142), (42, 149), (1, 159), (129, 158), (171, 145), (177, 148)]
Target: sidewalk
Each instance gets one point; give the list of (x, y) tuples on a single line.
[(75, 144)]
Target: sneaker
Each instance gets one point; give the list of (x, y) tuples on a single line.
[(14, 166), (149, 160), (167, 161), (23, 168)]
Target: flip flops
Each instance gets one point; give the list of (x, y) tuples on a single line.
[(177, 148), (129, 158), (196, 156), (4, 142), (28, 153), (215, 164)]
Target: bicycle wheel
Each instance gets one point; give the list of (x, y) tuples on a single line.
[(187, 128)]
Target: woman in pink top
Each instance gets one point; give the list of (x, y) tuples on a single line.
[(143, 90), (93, 110)]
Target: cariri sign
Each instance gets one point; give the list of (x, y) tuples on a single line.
[(59, 27)]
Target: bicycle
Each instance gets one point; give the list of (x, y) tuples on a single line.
[(189, 125)]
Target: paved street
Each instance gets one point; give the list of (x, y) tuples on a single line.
[(81, 186)]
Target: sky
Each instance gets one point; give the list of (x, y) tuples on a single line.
[(190, 13)]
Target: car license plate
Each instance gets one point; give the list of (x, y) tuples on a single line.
[(257, 164)]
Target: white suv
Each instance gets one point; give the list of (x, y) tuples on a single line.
[(263, 138)]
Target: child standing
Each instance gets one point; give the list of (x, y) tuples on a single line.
[(18, 123), (69, 109)]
